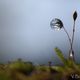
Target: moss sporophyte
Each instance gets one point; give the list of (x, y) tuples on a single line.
[(70, 67), (57, 24)]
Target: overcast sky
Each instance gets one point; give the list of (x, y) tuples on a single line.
[(25, 29)]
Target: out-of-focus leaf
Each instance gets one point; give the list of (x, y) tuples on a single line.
[(60, 55), (67, 62)]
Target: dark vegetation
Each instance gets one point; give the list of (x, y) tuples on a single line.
[(20, 70)]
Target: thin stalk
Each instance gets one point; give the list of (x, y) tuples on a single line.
[(73, 35), (68, 37), (71, 52)]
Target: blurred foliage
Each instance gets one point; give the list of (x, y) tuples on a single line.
[(70, 67), (42, 68), (4, 75), (24, 67), (20, 70)]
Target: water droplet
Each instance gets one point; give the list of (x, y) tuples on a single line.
[(56, 24), (71, 55)]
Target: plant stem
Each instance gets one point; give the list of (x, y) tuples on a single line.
[(68, 36), (73, 35), (71, 52)]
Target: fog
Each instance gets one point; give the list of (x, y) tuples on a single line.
[(25, 30)]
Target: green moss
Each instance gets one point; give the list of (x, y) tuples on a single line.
[(4, 76), (24, 67), (70, 67)]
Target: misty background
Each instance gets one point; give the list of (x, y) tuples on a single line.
[(25, 30)]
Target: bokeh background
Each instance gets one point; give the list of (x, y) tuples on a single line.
[(25, 30)]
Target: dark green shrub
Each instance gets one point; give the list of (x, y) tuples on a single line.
[(23, 67)]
